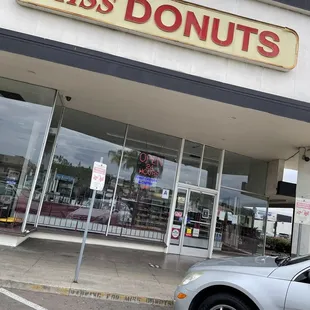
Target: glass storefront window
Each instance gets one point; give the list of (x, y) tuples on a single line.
[(146, 184), (83, 139), (190, 168), (200, 165), (244, 173), (241, 222), (24, 113), (209, 169)]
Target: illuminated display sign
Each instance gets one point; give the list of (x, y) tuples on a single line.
[(149, 169)]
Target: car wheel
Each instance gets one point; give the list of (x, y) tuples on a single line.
[(224, 301)]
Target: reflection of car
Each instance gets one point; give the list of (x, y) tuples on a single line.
[(121, 213), (246, 283), (283, 236)]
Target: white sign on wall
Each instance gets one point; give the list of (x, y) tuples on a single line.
[(302, 211), (98, 176)]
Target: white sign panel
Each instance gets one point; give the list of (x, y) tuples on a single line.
[(165, 194), (234, 220), (98, 176), (302, 211), (196, 232)]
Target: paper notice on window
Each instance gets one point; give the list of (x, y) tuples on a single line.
[(165, 194), (234, 219), (222, 216), (188, 232), (196, 232)]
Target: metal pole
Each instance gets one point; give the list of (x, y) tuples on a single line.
[(299, 239), (49, 168), (215, 208), (35, 178), (117, 178), (78, 266), (174, 196)]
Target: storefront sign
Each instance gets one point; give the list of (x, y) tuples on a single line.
[(189, 25), (149, 165), (302, 211)]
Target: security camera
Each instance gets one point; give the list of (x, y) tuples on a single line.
[(306, 158), (68, 98)]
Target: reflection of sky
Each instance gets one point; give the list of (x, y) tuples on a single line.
[(17, 121), (80, 148), (231, 197), (290, 176)]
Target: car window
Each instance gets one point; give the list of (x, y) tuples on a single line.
[(304, 277), (297, 260)]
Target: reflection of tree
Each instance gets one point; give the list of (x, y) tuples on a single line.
[(130, 159)]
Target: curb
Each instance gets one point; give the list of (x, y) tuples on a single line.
[(67, 291)]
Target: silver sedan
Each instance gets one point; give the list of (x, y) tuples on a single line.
[(246, 283)]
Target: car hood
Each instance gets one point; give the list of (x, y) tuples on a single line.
[(260, 265)]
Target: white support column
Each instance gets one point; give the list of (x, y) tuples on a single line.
[(301, 232), (35, 178), (216, 206), (49, 168), (174, 197)]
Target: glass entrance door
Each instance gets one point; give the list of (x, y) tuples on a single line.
[(197, 224), (192, 222)]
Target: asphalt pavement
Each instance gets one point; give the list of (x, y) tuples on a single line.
[(26, 300)]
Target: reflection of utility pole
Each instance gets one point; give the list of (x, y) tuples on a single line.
[(275, 228)]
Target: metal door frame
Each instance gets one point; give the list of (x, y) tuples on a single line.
[(181, 249)]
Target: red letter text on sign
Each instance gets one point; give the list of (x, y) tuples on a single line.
[(139, 20), (246, 35), (91, 4), (274, 48), (108, 4), (191, 20), (158, 15), (215, 33)]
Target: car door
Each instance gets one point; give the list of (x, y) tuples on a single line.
[(298, 294)]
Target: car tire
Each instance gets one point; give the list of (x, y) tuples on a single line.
[(230, 300)]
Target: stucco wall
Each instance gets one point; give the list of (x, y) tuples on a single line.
[(291, 84)]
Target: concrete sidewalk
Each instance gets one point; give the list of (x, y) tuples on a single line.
[(109, 273)]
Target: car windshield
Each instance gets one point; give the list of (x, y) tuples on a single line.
[(285, 261)]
